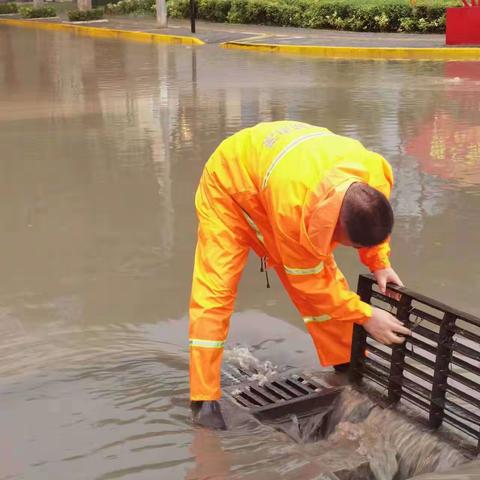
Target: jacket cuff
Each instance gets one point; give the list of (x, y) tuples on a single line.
[(379, 264)]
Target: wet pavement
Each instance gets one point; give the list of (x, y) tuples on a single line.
[(103, 143), (216, 33)]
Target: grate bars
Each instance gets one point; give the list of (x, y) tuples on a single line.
[(437, 368), (275, 401)]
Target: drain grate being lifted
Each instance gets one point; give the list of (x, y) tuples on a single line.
[(437, 368), (278, 400)]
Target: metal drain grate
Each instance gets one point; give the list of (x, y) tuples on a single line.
[(277, 400), (437, 368)]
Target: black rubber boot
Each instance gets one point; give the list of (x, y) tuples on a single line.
[(208, 414), (341, 367)]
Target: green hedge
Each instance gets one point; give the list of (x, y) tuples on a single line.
[(129, 7), (8, 8), (37, 12), (332, 14), (370, 16), (85, 15)]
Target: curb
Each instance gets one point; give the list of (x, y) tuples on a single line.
[(371, 53), (106, 32), (79, 22)]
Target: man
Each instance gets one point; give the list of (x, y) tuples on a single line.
[(291, 192)]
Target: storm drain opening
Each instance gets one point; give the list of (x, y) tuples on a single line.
[(437, 369), (288, 403), (344, 433)]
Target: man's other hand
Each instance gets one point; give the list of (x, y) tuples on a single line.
[(387, 275), (385, 328)]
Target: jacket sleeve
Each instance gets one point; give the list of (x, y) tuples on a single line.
[(320, 288), (376, 258)]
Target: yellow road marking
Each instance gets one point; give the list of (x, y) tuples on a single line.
[(106, 32), (397, 53)]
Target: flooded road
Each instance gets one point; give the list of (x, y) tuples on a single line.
[(102, 145)]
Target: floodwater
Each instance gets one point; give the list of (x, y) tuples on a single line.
[(102, 144)]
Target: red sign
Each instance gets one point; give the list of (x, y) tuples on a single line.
[(463, 24)]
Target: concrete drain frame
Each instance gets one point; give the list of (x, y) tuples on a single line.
[(437, 369)]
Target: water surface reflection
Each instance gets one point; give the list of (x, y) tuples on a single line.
[(103, 143)]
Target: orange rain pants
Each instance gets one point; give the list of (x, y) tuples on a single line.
[(277, 188)]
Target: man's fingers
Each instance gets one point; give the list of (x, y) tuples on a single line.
[(386, 276), (394, 335), (394, 278), (394, 321), (386, 328), (398, 281), (396, 339), (396, 296), (403, 330), (390, 338), (398, 326)]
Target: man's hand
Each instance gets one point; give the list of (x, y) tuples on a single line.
[(385, 328), (386, 275)]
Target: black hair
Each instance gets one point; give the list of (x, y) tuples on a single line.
[(366, 215)]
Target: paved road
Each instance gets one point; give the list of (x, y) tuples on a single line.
[(219, 33), (303, 36)]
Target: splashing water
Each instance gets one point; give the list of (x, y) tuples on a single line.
[(256, 370)]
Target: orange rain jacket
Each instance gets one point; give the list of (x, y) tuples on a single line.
[(277, 188)]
